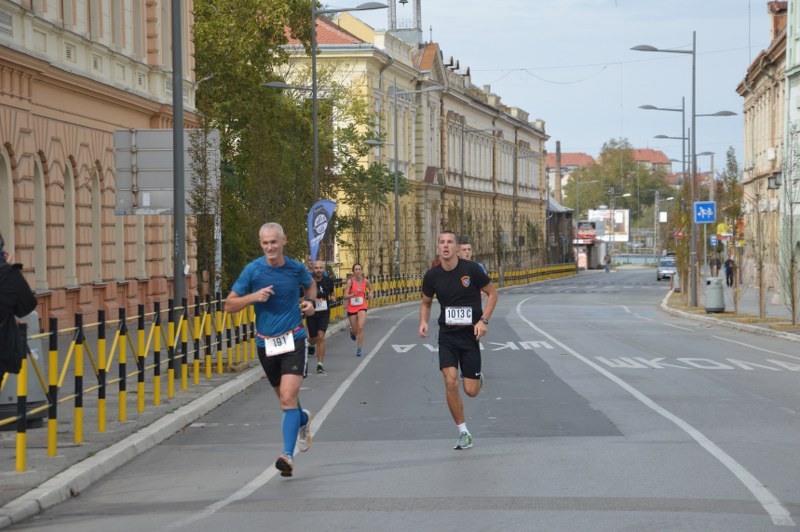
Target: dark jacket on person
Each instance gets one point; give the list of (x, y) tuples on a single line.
[(16, 300)]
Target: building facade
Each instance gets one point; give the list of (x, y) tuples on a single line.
[(474, 164), (71, 73), (763, 90)]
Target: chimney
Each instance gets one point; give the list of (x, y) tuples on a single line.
[(778, 12)]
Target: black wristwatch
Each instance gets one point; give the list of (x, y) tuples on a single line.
[(485, 321)]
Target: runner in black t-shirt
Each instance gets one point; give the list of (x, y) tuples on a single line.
[(458, 284), (317, 324)]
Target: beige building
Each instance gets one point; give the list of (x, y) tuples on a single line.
[(475, 165), (763, 90), (70, 74)]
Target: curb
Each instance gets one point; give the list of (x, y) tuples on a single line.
[(70, 482), (725, 323)]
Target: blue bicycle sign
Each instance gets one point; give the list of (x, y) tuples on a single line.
[(705, 212)]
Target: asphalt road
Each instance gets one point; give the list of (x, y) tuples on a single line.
[(599, 412)]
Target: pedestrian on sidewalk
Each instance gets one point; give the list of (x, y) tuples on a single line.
[(458, 284), (607, 262), (318, 323), (270, 284), (16, 301), (357, 291), (730, 270)]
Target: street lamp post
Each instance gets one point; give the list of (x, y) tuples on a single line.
[(693, 152), (395, 92), (314, 108), (464, 129), (693, 241)]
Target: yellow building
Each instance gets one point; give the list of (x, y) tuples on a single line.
[(70, 74), (475, 165)]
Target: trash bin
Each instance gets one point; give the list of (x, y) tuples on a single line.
[(714, 296), (675, 282), (36, 396)]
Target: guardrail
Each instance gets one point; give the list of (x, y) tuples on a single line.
[(200, 335)]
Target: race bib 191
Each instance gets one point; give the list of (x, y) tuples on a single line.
[(321, 305), (278, 345), (458, 315)]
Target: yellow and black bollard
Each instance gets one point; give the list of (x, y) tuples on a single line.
[(102, 374), (171, 349), (123, 365), (22, 404), (157, 354), (140, 356), (184, 325), (52, 381), (196, 339), (79, 341)]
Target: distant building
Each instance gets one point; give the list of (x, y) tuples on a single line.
[(763, 89), (652, 160), (569, 163)]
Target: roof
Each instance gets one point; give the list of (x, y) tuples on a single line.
[(427, 56), (650, 156), (327, 33), (554, 206), (578, 159)]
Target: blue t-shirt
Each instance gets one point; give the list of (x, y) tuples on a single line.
[(281, 312)]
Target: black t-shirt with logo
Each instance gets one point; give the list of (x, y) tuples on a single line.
[(460, 287), (325, 290)]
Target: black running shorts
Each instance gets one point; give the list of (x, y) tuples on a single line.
[(318, 322), (460, 349), (292, 363)]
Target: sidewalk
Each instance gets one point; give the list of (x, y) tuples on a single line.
[(48, 481), (777, 322)]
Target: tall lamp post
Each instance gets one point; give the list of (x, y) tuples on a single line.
[(395, 93), (693, 242), (464, 129), (314, 109), (693, 152), (397, 173)]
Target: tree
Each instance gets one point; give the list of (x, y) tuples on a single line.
[(265, 138), (790, 240), (363, 188), (731, 206)]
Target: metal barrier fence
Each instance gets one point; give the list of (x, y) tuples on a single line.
[(201, 335), (219, 340)]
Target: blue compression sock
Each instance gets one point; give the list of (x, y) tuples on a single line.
[(291, 426), (303, 415)]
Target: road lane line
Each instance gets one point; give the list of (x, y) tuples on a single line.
[(779, 514), (664, 323), (756, 347), (266, 475)]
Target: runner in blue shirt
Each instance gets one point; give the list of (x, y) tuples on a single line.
[(270, 284)]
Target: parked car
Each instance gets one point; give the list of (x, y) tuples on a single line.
[(666, 268)]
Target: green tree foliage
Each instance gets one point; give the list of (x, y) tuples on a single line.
[(365, 189), (615, 168), (731, 193)]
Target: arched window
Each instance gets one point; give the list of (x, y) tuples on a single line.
[(70, 246), (39, 225), (97, 225), (6, 200)]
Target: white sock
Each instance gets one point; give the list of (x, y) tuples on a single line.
[(462, 428)]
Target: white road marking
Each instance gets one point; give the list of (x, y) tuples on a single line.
[(319, 419), (779, 514), (756, 347), (665, 323)]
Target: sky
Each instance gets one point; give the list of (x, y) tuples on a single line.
[(570, 63)]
